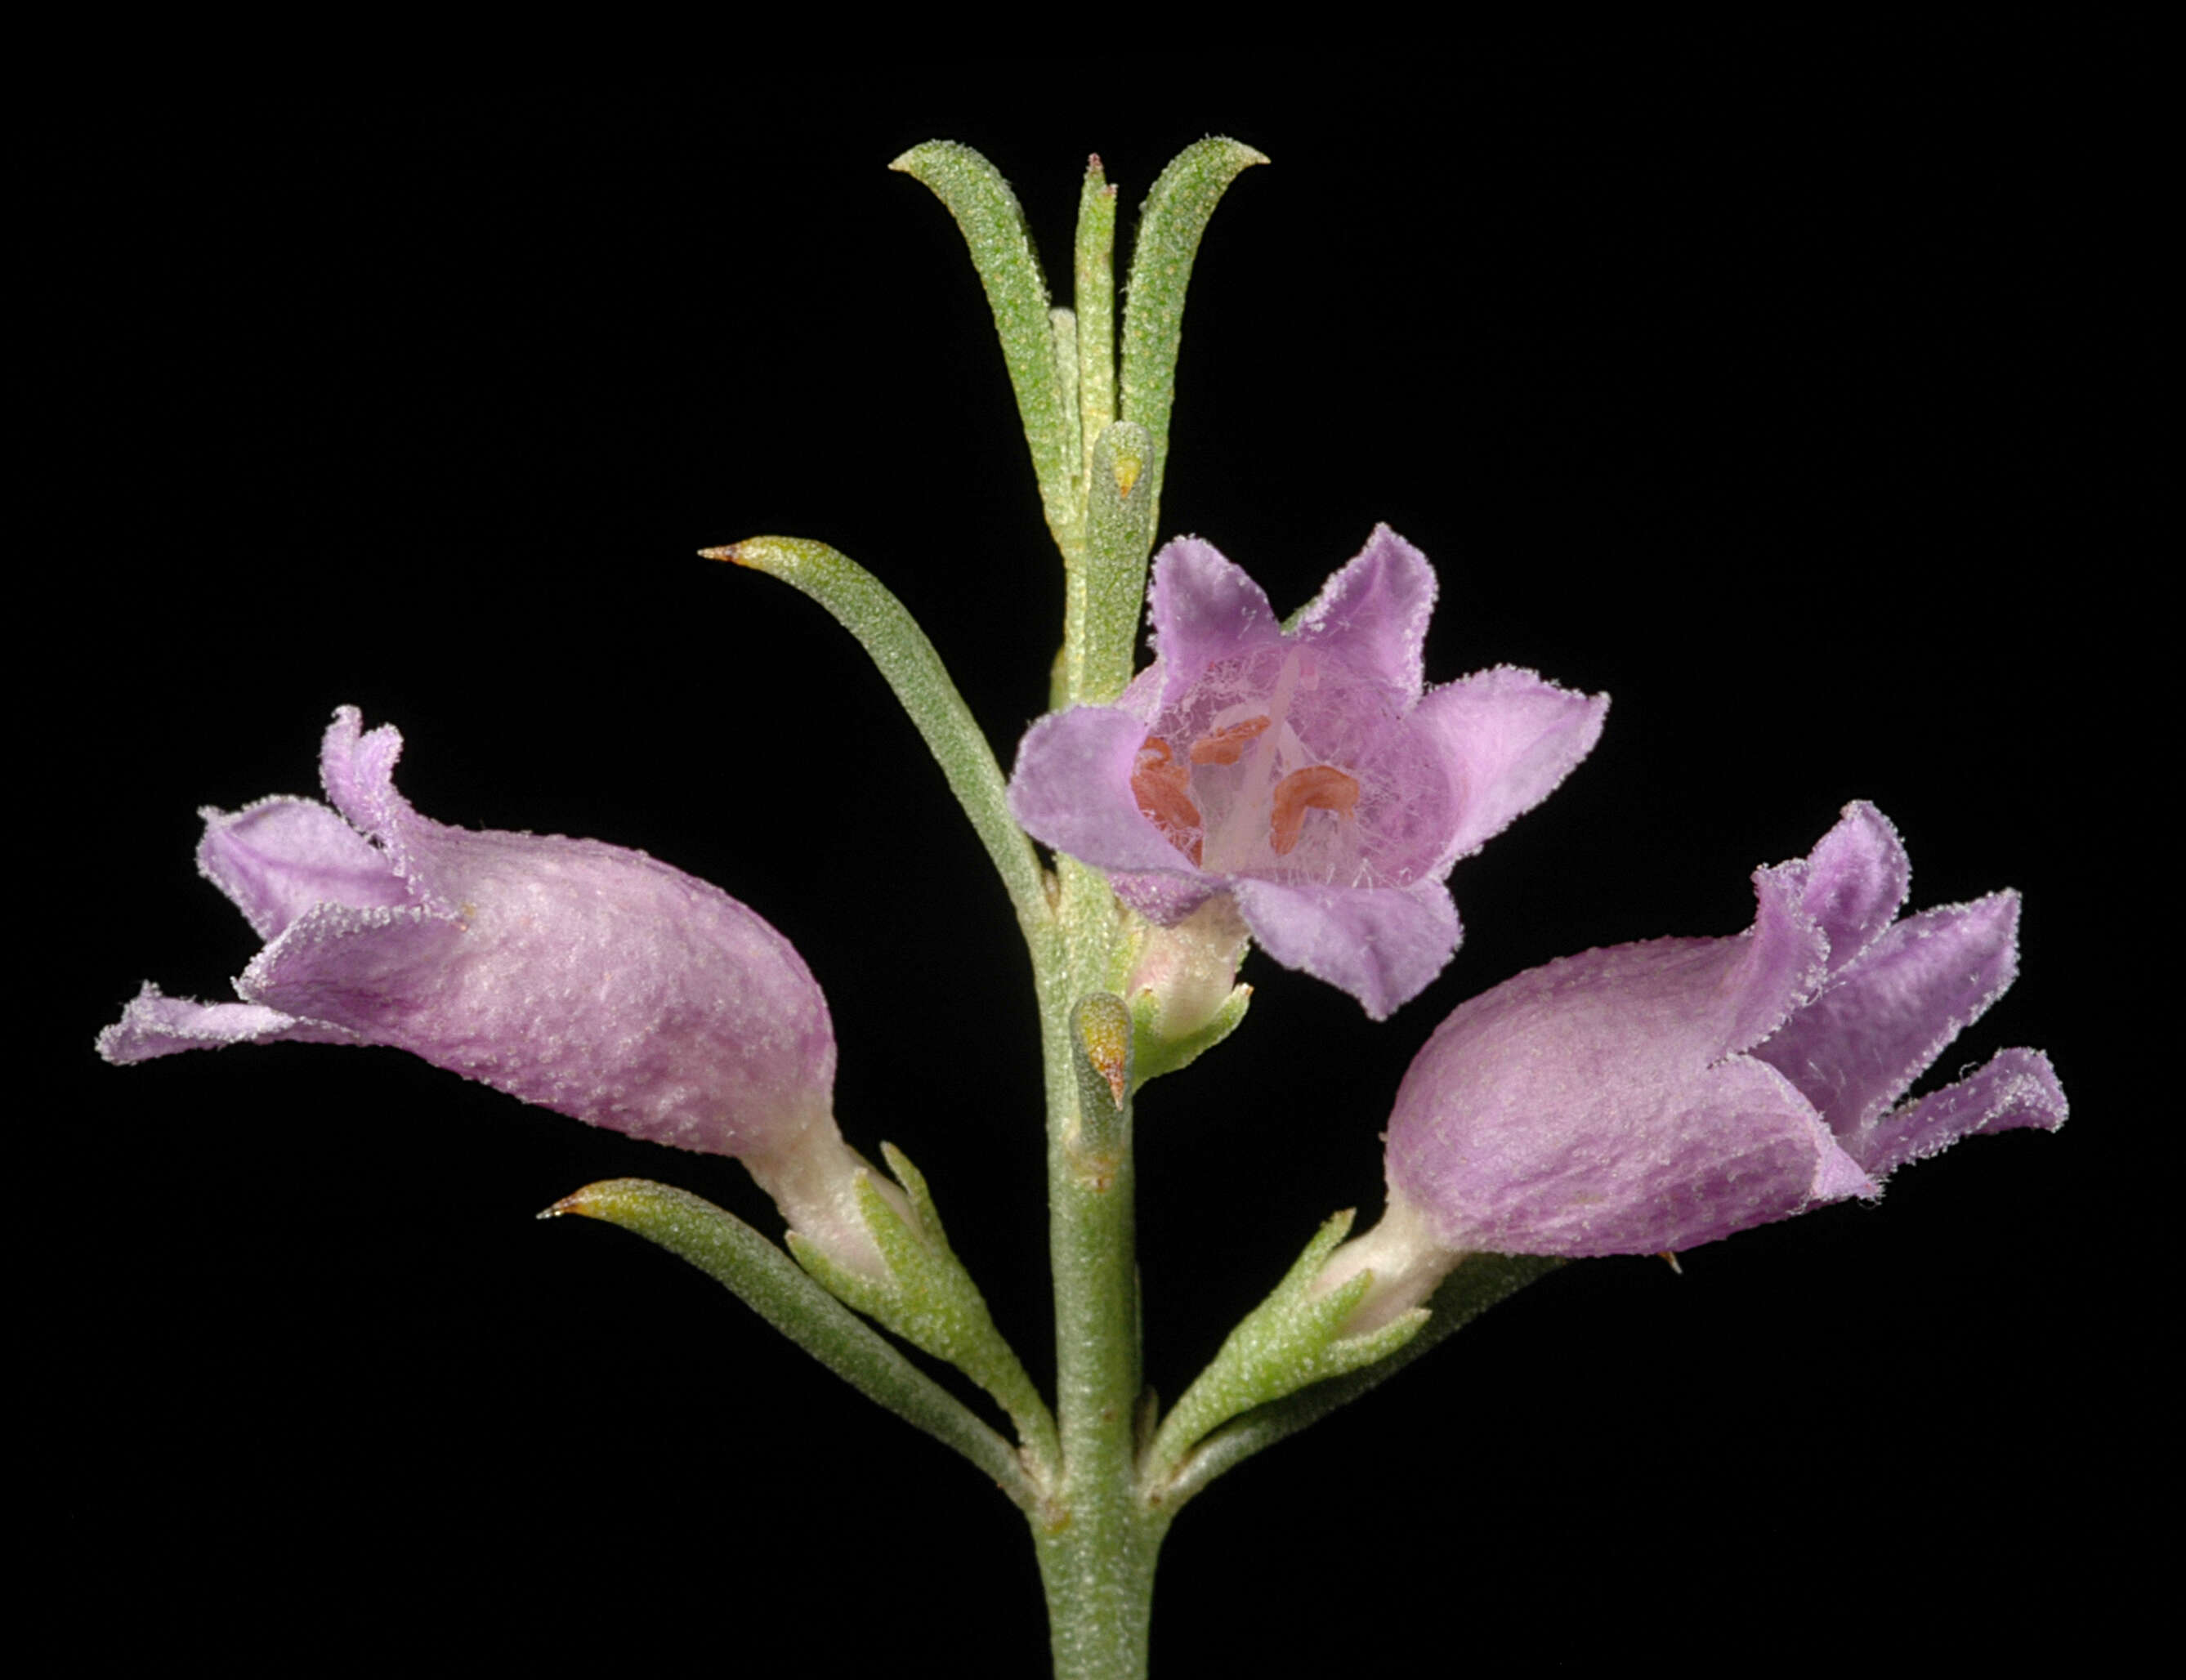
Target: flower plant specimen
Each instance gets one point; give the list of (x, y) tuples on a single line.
[(1299, 786)]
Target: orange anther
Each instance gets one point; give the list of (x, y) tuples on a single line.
[(1163, 789), (1318, 787), (1227, 745)]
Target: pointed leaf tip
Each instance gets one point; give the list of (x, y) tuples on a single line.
[(906, 163), (578, 1202), (733, 552), (1104, 1034)]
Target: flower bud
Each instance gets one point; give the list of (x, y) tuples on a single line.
[(1648, 1098), (585, 978)]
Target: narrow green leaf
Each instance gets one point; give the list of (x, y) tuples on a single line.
[(1063, 323), (914, 670), (1093, 298), (1290, 1341), (765, 1279), (994, 228), (1175, 215), (929, 1300), (1479, 1281), (1120, 536)]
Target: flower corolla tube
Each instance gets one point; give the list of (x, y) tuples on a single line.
[(585, 978), (1308, 772), (1648, 1098)]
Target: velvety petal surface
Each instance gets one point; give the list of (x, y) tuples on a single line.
[(357, 768), (1383, 948), (585, 978), (1651, 1097), (155, 1025), (1375, 611), (1204, 609), (1856, 879), (1506, 738), (2017, 1087), (281, 856), (1855, 1047), (1072, 790), (1301, 771), (1781, 959), (1581, 1109), (1162, 897)]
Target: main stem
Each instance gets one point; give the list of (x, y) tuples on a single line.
[(1098, 1541)]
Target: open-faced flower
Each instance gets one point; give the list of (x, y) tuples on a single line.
[(585, 978), (1648, 1098), (1305, 771)]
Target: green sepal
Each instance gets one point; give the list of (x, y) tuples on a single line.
[(907, 661), (1289, 1341), (1119, 536), (1155, 1055), (929, 1300), (1175, 215), (994, 228), (1475, 1283), (763, 1278)]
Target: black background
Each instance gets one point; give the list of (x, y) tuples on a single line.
[(1780, 397)]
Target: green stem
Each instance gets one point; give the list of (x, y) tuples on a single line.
[(1098, 1543)]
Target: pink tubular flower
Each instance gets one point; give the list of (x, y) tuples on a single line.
[(582, 976), (1652, 1097), (1305, 771)]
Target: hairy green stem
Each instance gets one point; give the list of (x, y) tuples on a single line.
[(1098, 1542)]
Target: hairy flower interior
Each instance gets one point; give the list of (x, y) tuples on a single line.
[(1284, 764)]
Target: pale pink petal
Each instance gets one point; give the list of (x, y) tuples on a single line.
[(1376, 610), (155, 1025), (2016, 1087), (1204, 609), (279, 857), (1507, 737), (1856, 1047), (1072, 790), (358, 770), (1572, 1117), (1589, 1107), (1383, 948), (1310, 778), (1781, 960), (584, 978), (1162, 896), (1856, 876)]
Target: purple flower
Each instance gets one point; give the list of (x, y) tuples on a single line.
[(1306, 772), (1651, 1097), (585, 978)]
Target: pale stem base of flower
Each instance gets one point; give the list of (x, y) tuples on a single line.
[(1191, 968), (813, 1181), (1406, 1259)]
